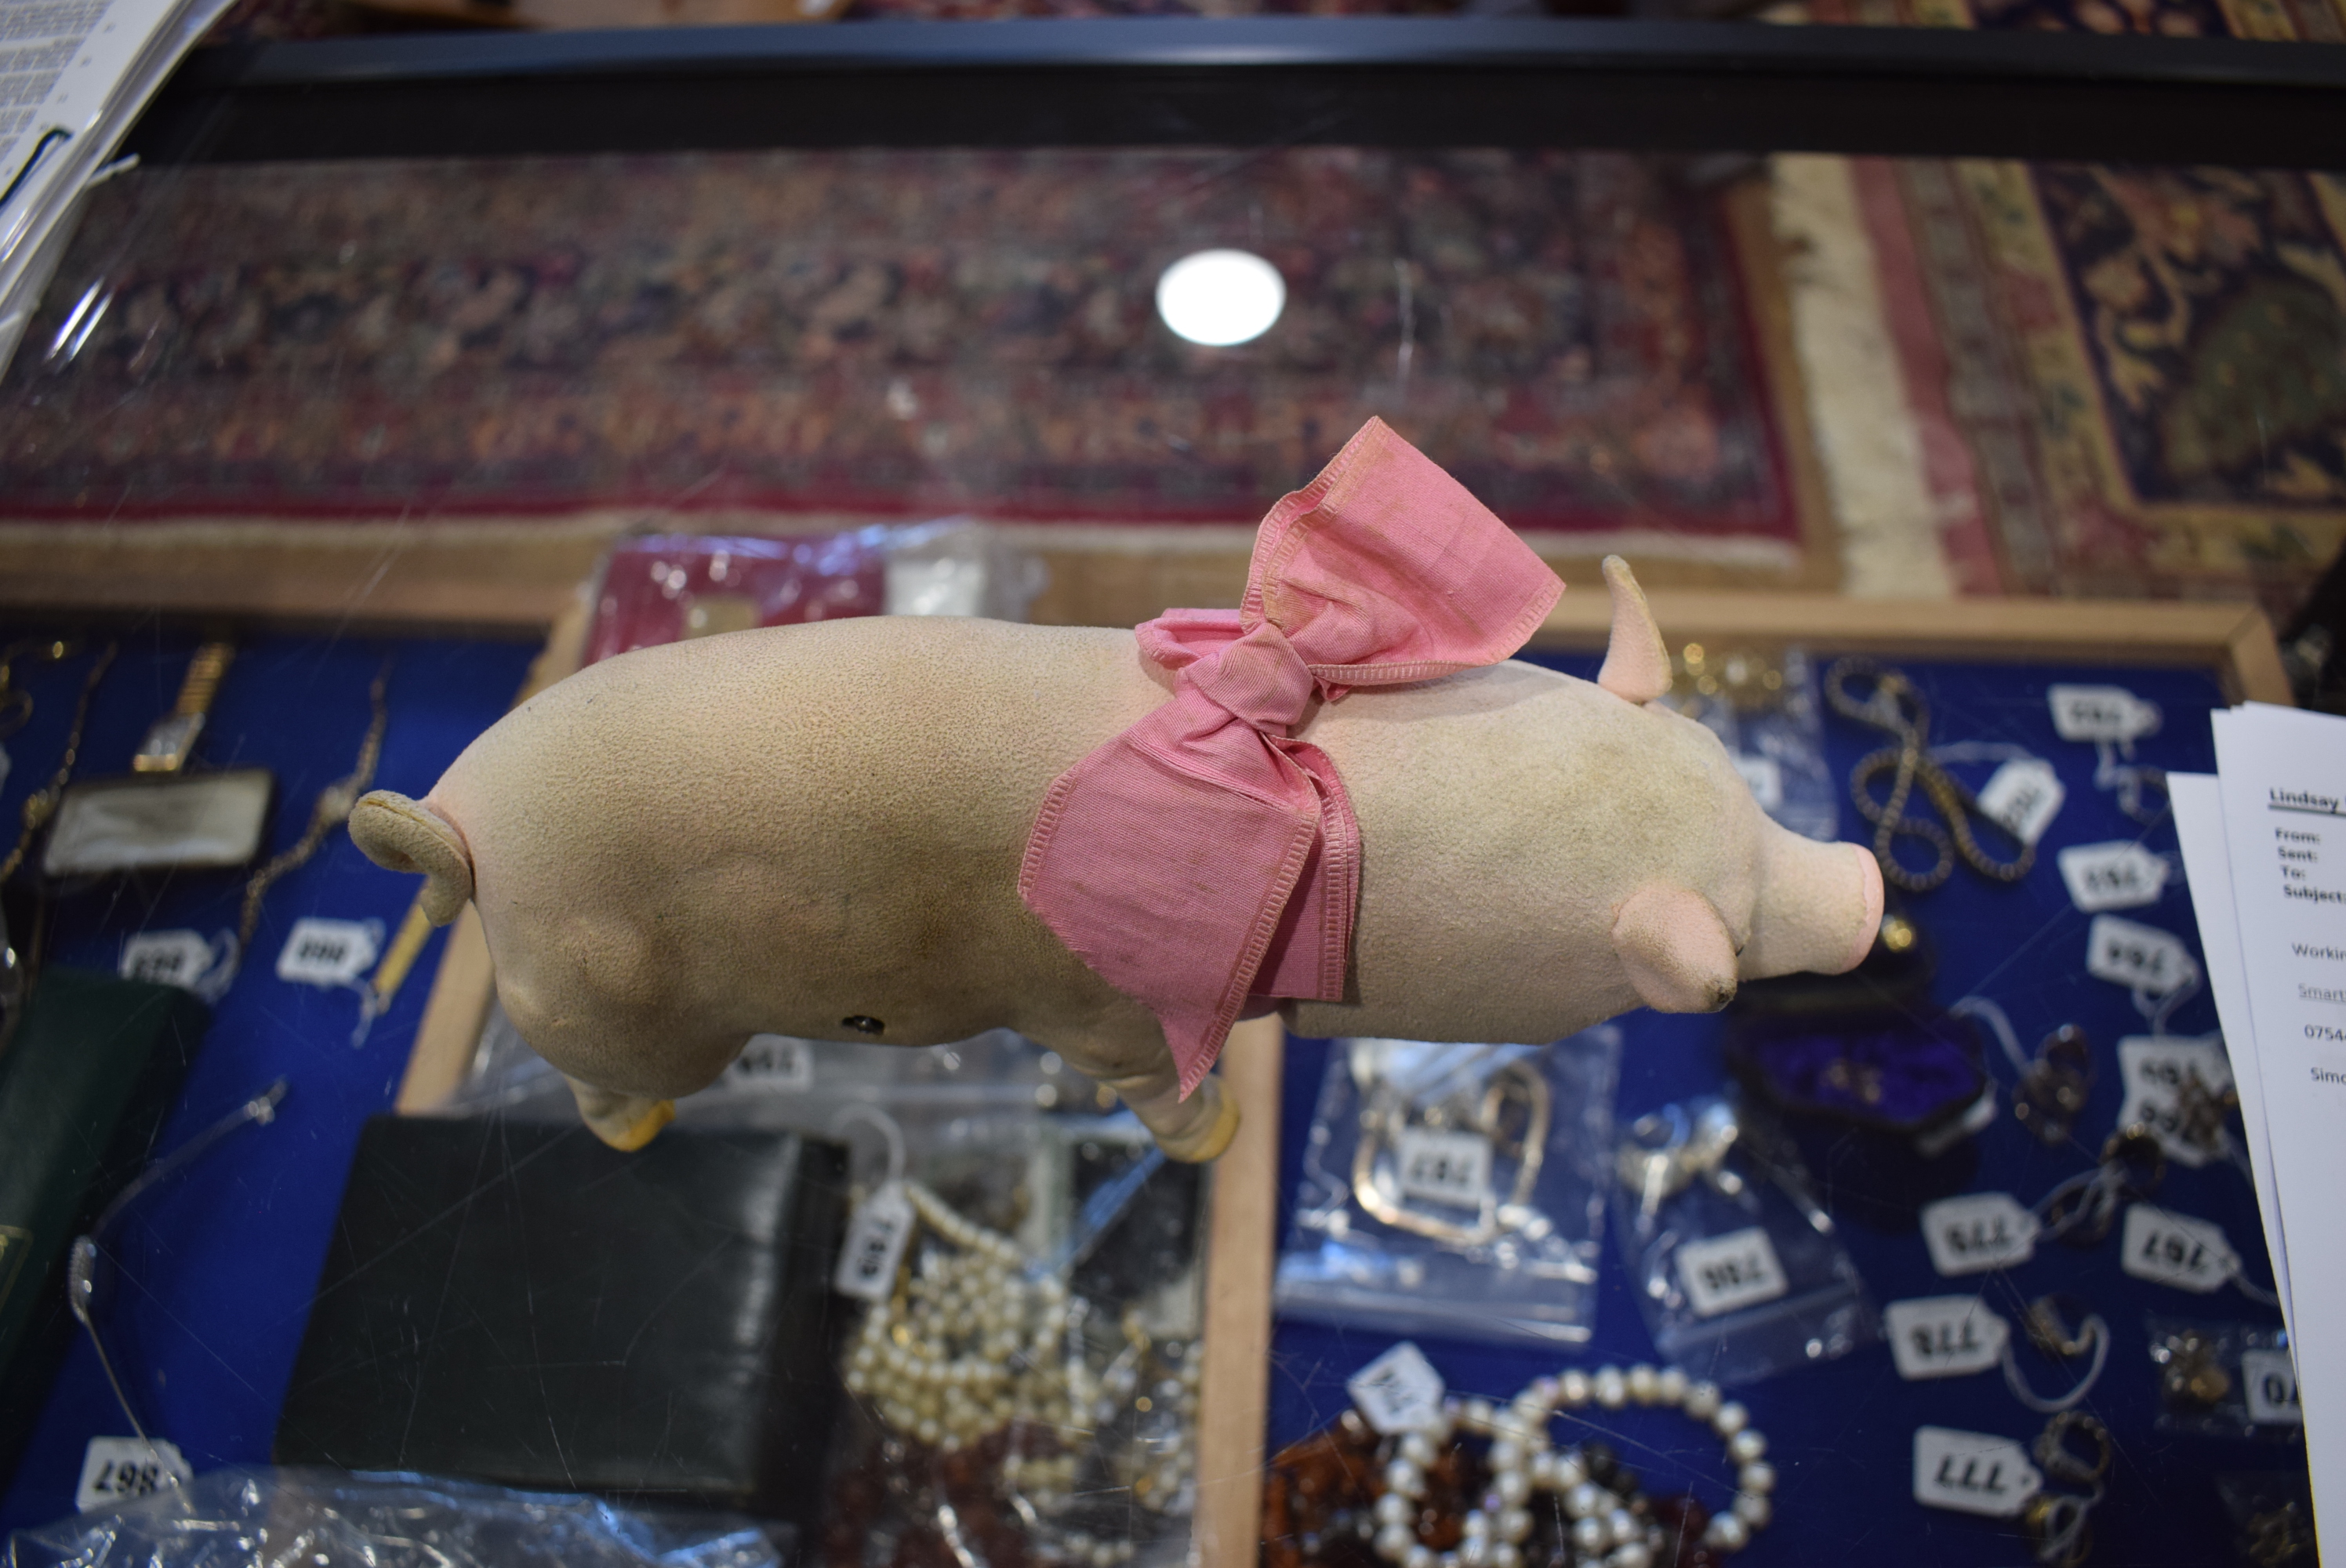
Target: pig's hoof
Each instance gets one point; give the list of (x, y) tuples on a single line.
[(646, 1127), (1210, 1135)]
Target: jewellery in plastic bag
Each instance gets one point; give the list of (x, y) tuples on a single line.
[(1687, 1150), (2057, 1521), (1897, 707), (2193, 1377), (2054, 1089), (1516, 1087)]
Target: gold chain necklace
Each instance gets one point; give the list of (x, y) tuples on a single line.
[(42, 803)]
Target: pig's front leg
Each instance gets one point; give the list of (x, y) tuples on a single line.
[(1135, 1066), (626, 1122)]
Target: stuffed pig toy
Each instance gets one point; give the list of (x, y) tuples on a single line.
[(1335, 802)]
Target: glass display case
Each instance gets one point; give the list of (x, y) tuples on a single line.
[(1928, 375)]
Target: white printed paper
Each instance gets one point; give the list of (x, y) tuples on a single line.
[(1726, 1272), (1399, 1392), (2100, 713), (773, 1062), (2282, 777), (2269, 1380), (876, 1233), (2138, 957), (1973, 1473), (2114, 876), (1945, 1336), (2155, 1068), (115, 1471), (2208, 857), (328, 952), (2025, 795), (2176, 1250), (1977, 1232), (1442, 1165)]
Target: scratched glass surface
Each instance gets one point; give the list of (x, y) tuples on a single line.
[(1887, 377)]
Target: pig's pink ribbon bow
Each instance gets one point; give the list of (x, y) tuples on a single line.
[(1204, 857)]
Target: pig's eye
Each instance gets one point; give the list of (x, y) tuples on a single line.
[(863, 1024)]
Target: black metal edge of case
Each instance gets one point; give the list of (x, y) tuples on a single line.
[(1688, 87)]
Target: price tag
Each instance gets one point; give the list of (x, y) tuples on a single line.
[(772, 1062), (1399, 1392), (1977, 1232), (2113, 876), (1444, 1166), (876, 1234), (2025, 795), (2269, 1378), (1945, 1336), (1764, 775), (1738, 1269), (2138, 957), (119, 1470), (2155, 1068), (178, 958), (2176, 1249), (328, 952), (1973, 1473), (2100, 713)]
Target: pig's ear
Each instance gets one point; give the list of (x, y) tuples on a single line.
[(1675, 949), (1637, 665)]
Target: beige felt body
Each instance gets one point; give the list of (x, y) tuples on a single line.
[(782, 830)]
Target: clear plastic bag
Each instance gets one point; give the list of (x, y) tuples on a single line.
[(1736, 1266), (1764, 710), (1455, 1189), (2224, 1380), (257, 1517)]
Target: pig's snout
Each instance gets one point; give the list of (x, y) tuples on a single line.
[(1817, 909)]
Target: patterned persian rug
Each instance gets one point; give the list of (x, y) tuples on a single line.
[(899, 334), (2145, 367)]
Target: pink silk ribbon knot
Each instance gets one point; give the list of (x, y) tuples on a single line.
[(1205, 861)]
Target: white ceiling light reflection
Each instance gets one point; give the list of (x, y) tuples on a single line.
[(1219, 298)]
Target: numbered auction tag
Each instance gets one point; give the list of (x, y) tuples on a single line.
[(1442, 1165), (2176, 1249), (328, 952), (119, 1470), (180, 958), (1973, 1473), (2269, 1378), (2138, 957), (2155, 1068), (1399, 1392), (1764, 776), (2114, 876), (2100, 713), (1738, 1269), (1977, 1232), (2025, 795), (1945, 1336), (876, 1234), (773, 1062)]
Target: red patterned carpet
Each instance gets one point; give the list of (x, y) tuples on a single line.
[(893, 332)]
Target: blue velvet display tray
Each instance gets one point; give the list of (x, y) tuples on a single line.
[(217, 1264), (1841, 1434)]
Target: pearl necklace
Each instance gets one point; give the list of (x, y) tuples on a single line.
[(970, 1344), (973, 1343), (1522, 1463)]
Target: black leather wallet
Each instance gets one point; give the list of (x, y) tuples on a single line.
[(515, 1302)]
